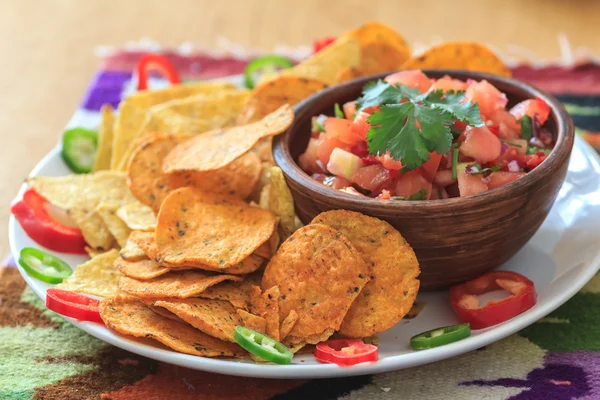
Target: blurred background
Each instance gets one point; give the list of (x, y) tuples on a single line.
[(49, 48)]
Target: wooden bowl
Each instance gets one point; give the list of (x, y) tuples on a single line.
[(455, 239)]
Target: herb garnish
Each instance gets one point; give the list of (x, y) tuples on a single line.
[(480, 170), (317, 127), (420, 195), (532, 150), (394, 127), (526, 127), (338, 111)]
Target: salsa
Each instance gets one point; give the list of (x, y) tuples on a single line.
[(409, 137)]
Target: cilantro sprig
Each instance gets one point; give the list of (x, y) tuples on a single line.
[(409, 125), (420, 195)]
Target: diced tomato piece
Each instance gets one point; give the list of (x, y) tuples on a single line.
[(371, 160), (360, 126), (519, 144), (431, 166), (349, 109), (413, 78), (469, 184), (341, 129), (385, 195), (360, 148), (326, 145), (508, 127), (308, 159), (371, 177), (500, 178), (481, 144), (531, 107), (389, 163), (535, 160), (446, 83), (412, 182), (487, 96), (343, 163), (443, 178)]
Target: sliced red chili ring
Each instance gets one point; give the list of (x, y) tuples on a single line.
[(346, 352), (159, 62), (73, 305)]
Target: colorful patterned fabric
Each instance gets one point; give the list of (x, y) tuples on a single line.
[(43, 357)]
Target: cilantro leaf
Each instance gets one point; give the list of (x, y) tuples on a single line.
[(481, 171), (526, 127), (338, 111), (439, 136), (380, 92), (455, 104), (533, 149)]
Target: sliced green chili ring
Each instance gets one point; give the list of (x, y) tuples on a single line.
[(440, 336), (79, 148), (262, 345), (43, 266), (266, 64)]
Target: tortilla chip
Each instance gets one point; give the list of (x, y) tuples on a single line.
[(271, 312), (132, 252), (319, 273), (94, 230), (268, 96), (137, 216), (177, 284), (247, 266), (264, 250), (287, 324), (85, 191), (96, 276), (217, 149), (276, 196), (163, 312), (216, 318), (128, 316), (252, 321), (237, 291), (348, 74), (133, 112), (200, 228), (382, 48), (326, 64), (142, 270), (459, 55), (105, 139), (118, 229), (92, 252), (393, 287), (144, 240)]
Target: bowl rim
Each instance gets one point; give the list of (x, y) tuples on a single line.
[(558, 156)]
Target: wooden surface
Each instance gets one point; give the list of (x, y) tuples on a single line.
[(48, 57)]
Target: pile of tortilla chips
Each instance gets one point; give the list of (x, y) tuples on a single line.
[(191, 228)]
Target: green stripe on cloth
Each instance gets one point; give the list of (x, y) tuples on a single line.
[(575, 109)]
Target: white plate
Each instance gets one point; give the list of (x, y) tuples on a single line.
[(560, 259)]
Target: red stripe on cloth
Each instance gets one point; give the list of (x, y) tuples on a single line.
[(579, 79)]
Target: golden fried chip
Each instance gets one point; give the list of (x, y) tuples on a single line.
[(94, 230), (268, 96), (128, 316), (163, 312), (319, 273), (326, 64), (200, 228), (133, 112), (459, 55), (96, 276), (105, 138), (348, 74), (252, 321), (271, 311), (137, 216), (85, 191), (132, 252), (276, 196), (390, 293), (145, 241), (118, 229), (217, 149), (92, 252), (382, 48), (142, 270), (177, 284), (287, 324), (237, 292), (216, 318)]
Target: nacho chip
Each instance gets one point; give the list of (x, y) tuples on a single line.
[(105, 138), (252, 321), (382, 48), (237, 291), (200, 228), (118, 229), (217, 149), (393, 287), (96, 276), (319, 273), (276, 196), (137, 216), (133, 112), (94, 230), (459, 55), (85, 191), (271, 311), (163, 312), (128, 316), (145, 241), (216, 318), (177, 284), (142, 270), (326, 64), (132, 252), (348, 74), (268, 96), (92, 252), (287, 324)]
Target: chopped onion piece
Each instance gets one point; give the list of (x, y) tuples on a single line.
[(513, 166)]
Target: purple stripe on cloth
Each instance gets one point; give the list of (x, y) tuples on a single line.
[(106, 88)]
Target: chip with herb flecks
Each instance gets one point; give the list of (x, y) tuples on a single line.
[(252, 321), (143, 269)]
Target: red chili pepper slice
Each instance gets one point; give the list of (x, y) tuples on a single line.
[(346, 352), (159, 62), (35, 220), (320, 44), (465, 303), (73, 305)]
